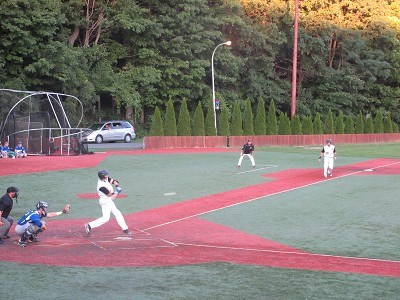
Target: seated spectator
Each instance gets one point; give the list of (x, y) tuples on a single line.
[(6, 152), (19, 151)]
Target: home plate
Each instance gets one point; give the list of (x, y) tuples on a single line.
[(368, 170), (123, 238)]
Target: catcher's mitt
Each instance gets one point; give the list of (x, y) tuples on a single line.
[(66, 209)]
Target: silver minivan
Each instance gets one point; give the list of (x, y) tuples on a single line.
[(110, 131)]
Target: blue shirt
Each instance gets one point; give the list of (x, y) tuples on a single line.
[(5, 149), (19, 149), (31, 217)]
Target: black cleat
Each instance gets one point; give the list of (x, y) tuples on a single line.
[(127, 232), (87, 229)]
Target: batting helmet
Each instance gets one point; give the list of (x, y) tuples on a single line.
[(102, 174), (13, 189)]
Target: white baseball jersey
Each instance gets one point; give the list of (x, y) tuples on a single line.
[(329, 151), (101, 186)]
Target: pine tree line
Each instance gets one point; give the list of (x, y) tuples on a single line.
[(240, 120)]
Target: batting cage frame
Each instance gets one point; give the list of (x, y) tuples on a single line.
[(40, 121)]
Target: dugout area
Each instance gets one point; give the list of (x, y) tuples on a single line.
[(214, 225)]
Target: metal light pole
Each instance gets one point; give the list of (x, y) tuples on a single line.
[(228, 43)]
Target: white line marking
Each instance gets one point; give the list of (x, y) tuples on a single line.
[(257, 169), (291, 252), (264, 196)]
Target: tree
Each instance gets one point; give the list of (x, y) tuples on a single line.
[(210, 121), (157, 124), (236, 121), (198, 121), (378, 124), (349, 125), (296, 125), (284, 124), (272, 124), (170, 120), (329, 127), (369, 124), (340, 123), (359, 128), (387, 124), (307, 125), (317, 124), (260, 121), (248, 120), (183, 128), (223, 120)]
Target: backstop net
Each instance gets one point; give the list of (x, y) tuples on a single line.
[(40, 122)]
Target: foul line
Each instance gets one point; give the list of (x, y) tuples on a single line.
[(257, 169), (265, 196), (290, 252)]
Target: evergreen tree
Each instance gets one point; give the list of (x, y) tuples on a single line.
[(296, 125), (339, 123), (260, 122), (284, 124), (387, 125), (307, 125), (369, 124), (329, 126), (183, 128), (236, 121), (210, 121), (248, 120), (157, 124), (395, 127), (317, 124), (198, 121), (170, 120), (272, 124), (223, 120), (378, 124), (359, 124), (349, 125)]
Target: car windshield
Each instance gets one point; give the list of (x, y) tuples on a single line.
[(96, 126)]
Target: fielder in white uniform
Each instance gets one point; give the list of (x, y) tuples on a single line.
[(329, 153), (106, 201)]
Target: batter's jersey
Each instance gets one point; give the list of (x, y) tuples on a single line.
[(329, 151), (104, 188)]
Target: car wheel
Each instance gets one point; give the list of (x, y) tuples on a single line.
[(127, 138), (99, 139)]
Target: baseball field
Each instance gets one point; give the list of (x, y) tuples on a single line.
[(205, 229)]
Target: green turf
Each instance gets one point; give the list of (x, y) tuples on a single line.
[(355, 217)]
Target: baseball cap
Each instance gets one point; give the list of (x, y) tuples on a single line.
[(329, 141)]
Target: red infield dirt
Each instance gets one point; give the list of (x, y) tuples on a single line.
[(175, 235)]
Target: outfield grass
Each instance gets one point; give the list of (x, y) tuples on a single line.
[(355, 216)]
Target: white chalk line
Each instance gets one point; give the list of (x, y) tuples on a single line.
[(289, 252), (257, 169), (265, 196)]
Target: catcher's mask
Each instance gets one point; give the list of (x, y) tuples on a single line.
[(102, 174), (13, 189)]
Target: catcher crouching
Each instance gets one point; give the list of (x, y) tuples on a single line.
[(31, 223)]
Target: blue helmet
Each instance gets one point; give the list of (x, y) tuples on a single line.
[(102, 173)]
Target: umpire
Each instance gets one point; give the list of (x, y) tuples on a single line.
[(6, 204)]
